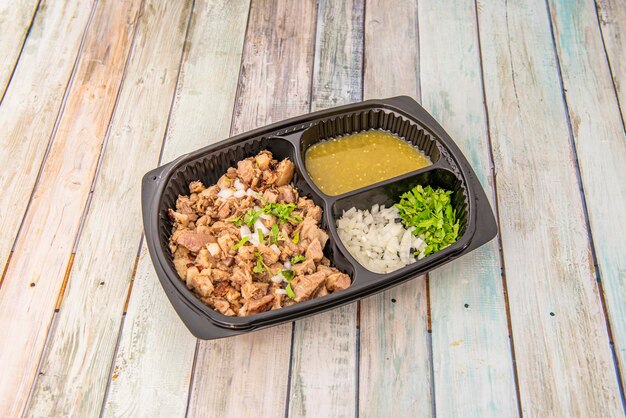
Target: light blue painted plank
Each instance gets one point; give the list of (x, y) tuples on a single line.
[(601, 149), (472, 359)]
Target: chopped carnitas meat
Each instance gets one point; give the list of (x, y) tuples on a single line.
[(251, 243)]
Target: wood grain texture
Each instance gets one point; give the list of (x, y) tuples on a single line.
[(72, 382), (612, 15), (15, 20), (31, 104), (601, 149), (247, 375), (323, 371), (564, 361), (153, 365), (35, 274), (472, 361), (395, 369)]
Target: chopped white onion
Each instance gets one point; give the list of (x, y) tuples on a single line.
[(278, 278), (244, 231), (239, 185), (259, 225), (239, 194), (225, 193), (287, 265), (280, 291), (377, 239)]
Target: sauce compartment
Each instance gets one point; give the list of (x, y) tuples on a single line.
[(369, 120)]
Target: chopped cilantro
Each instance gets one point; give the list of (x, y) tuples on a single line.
[(275, 236), (297, 258), (288, 274), (290, 293), (296, 237), (430, 211), (240, 243)]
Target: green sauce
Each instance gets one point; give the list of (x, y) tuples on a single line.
[(350, 162)]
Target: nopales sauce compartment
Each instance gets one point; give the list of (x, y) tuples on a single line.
[(290, 139)]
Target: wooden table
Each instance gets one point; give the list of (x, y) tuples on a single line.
[(96, 93)]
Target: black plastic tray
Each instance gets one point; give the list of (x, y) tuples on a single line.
[(290, 138)]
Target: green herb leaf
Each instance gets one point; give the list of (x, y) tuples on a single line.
[(237, 221), (431, 212), (288, 274), (297, 258), (296, 237), (260, 266), (275, 236), (240, 243), (261, 237), (251, 216), (290, 293)]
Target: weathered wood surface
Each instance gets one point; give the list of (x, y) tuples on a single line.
[(395, 366), (601, 149), (274, 84), (472, 362), (612, 17), (548, 118), (72, 382), (564, 361), (323, 370), (153, 365), (31, 105), (15, 21), (36, 270)]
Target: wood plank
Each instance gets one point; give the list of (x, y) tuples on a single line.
[(472, 361), (72, 382), (15, 20), (324, 347), (35, 273), (153, 365), (600, 144), (612, 16), (31, 104), (249, 373), (556, 312), (395, 369)]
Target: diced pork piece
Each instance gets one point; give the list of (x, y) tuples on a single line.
[(269, 256), (223, 306), (263, 160), (305, 267), (201, 284), (183, 206), (225, 182), (246, 252), (258, 305), (218, 275), (240, 277), (226, 242), (231, 173), (278, 299), (325, 262), (196, 187), (245, 171), (308, 285), (194, 241), (178, 217), (209, 193), (314, 213), (314, 250), (321, 292), (226, 209), (204, 257), (310, 231), (286, 194), (254, 290), (337, 281), (284, 172), (270, 196), (180, 264)]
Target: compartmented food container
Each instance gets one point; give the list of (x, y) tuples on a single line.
[(290, 139)]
